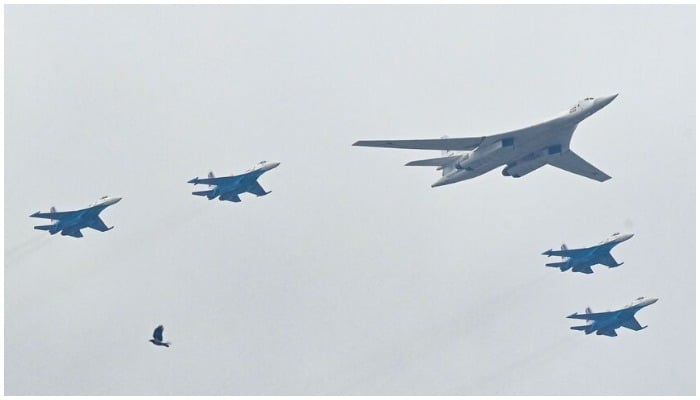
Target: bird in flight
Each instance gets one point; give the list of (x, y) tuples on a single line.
[(158, 337)]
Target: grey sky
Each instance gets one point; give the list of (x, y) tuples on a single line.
[(353, 276)]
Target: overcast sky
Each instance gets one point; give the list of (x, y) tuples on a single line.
[(353, 276)]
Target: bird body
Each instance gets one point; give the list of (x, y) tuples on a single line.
[(158, 337)]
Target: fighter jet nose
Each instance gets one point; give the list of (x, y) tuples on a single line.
[(652, 301)]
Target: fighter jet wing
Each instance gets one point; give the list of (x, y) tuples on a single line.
[(592, 316), (230, 197), (567, 252), (98, 225), (570, 161), (75, 233), (633, 324), (58, 215), (425, 144), (256, 189), (609, 261)]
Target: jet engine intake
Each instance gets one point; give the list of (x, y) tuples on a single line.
[(485, 156)]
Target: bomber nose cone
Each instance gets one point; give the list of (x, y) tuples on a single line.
[(604, 101)]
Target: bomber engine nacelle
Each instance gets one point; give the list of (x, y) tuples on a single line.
[(530, 162), (519, 169), (485, 155)]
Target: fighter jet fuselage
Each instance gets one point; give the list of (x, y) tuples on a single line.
[(69, 223), (228, 188), (581, 260), (605, 323)]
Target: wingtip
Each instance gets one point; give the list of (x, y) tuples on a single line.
[(193, 180), (572, 315)]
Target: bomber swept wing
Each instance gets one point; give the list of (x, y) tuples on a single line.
[(425, 144), (572, 162)]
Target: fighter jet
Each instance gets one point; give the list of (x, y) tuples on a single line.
[(229, 187), (581, 260), (521, 151), (71, 222), (605, 323)]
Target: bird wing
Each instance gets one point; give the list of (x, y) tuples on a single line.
[(158, 333)]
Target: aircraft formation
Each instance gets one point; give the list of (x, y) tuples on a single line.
[(520, 151)]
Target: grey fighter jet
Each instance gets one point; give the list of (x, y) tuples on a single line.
[(521, 151), (71, 222), (229, 187), (581, 260), (605, 323)]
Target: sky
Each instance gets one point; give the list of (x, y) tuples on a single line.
[(354, 276)]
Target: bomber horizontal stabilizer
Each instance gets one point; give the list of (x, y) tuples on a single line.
[(434, 162)]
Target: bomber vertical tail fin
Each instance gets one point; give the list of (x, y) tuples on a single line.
[(446, 153)]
